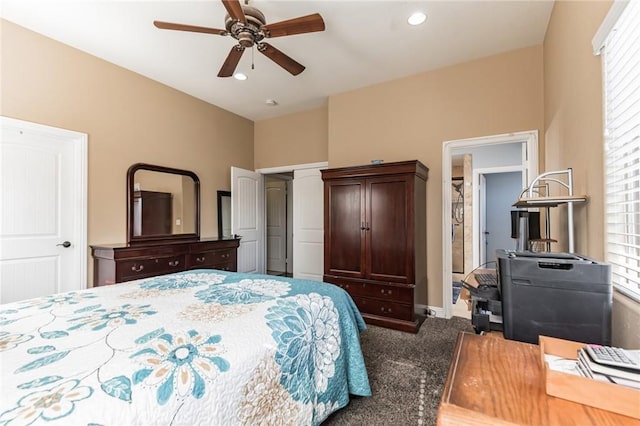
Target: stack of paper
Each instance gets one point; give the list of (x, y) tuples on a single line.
[(587, 367)]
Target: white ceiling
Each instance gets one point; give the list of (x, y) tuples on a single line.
[(365, 42)]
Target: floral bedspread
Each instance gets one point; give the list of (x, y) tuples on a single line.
[(198, 347)]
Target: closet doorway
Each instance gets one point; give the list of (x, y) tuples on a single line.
[(305, 256)]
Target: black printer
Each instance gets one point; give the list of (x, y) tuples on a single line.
[(561, 295)]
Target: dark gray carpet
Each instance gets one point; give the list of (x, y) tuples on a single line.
[(407, 373)]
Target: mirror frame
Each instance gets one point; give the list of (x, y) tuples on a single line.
[(150, 239), (219, 200)]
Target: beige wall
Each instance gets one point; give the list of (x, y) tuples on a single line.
[(292, 139), (410, 118), (128, 118), (573, 133), (573, 117)]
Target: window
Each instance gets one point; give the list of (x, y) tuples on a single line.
[(621, 77)]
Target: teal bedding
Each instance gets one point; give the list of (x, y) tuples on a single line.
[(198, 347)]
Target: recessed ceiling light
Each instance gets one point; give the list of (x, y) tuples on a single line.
[(417, 18), (240, 76), (271, 102)]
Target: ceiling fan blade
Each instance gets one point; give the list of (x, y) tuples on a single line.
[(301, 25), (280, 58), (231, 62), (192, 28), (234, 8)]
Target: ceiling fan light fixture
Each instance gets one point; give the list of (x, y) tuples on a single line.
[(271, 102), (248, 26), (240, 76), (417, 18)]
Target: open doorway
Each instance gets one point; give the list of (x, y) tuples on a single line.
[(279, 223), (249, 216), (516, 152)]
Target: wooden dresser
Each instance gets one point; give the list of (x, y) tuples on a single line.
[(114, 264), (375, 238)]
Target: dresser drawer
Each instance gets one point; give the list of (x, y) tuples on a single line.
[(216, 259), (133, 269), (229, 266), (384, 308), (385, 291)]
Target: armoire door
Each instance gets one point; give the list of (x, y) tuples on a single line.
[(389, 234), (345, 225)]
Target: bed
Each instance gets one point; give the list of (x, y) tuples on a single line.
[(196, 347)]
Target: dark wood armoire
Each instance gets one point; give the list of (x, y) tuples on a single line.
[(375, 238), (152, 213)]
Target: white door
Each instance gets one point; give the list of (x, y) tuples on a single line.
[(42, 210), (498, 190), (308, 224), (247, 218), (276, 194), (501, 190)]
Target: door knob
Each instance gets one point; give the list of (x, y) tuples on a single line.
[(66, 244)]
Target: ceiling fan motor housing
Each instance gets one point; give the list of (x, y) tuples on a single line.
[(248, 26), (250, 33)]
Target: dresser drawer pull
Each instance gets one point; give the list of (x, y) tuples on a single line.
[(225, 255), (200, 259), (387, 292), (385, 310), (174, 263), (137, 268)]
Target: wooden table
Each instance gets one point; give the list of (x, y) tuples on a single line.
[(500, 382)]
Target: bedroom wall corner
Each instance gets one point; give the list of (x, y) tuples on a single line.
[(129, 119)]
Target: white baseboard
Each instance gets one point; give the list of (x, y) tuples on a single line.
[(432, 310)]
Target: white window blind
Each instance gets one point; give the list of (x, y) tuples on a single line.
[(621, 75)]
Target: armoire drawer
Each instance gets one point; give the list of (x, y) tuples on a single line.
[(384, 308), (142, 268), (216, 259), (397, 293)]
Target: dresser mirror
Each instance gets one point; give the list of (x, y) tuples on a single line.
[(163, 204), (224, 214)]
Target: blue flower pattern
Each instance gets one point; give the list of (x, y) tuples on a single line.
[(182, 281), (246, 291), (180, 363), (172, 365), (101, 318), (308, 336)]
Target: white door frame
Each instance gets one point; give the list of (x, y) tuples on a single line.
[(79, 143), (478, 199), (529, 172), (287, 169)]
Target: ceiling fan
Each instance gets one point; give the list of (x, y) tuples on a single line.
[(248, 25)]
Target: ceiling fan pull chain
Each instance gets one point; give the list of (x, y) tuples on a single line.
[(252, 52)]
